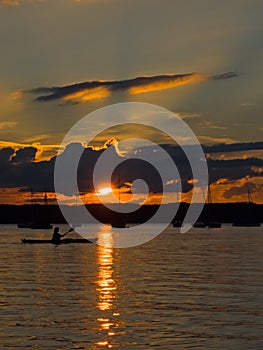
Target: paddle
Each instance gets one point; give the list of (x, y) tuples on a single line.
[(70, 230)]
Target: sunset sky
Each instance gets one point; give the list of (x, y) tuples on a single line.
[(62, 59)]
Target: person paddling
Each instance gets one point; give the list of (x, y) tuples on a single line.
[(56, 237)]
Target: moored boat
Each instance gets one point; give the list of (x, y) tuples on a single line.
[(213, 224), (249, 219), (24, 225), (246, 223), (39, 223), (177, 223), (199, 224), (36, 225), (118, 224)]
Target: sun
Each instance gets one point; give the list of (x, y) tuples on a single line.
[(105, 190)]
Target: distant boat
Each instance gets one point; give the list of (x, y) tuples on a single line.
[(36, 225), (119, 224), (211, 223), (41, 224), (249, 220), (214, 224), (199, 224), (202, 224), (177, 223), (24, 225), (246, 223)]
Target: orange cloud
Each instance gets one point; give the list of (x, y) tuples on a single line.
[(257, 169), (192, 181), (47, 151), (17, 95), (225, 190), (10, 2), (88, 94), (44, 152), (208, 140), (7, 125), (168, 84), (11, 196), (15, 196)]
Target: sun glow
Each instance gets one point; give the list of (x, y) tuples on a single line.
[(104, 191)]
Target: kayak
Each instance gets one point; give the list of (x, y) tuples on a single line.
[(49, 241)]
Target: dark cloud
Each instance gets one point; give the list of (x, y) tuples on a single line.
[(5, 155), (24, 155), (20, 170), (224, 76), (91, 90), (240, 190), (233, 169), (235, 147)]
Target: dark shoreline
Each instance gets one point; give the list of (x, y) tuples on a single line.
[(224, 213)]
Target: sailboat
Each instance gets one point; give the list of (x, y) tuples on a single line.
[(179, 223), (119, 223), (42, 224), (211, 223), (248, 220), (27, 224), (202, 224)]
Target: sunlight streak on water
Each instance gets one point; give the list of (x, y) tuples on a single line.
[(106, 287), (106, 283)]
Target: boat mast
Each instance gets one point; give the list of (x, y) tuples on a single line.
[(249, 195), (45, 197), (177, 191), (119, 188), (31, 196), (209, 195)]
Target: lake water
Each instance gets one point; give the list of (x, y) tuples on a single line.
[(200, 290)]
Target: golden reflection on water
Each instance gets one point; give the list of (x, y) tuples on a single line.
[(106, 288), (105, 282)]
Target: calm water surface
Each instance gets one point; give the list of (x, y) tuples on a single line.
[(201, 290)]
